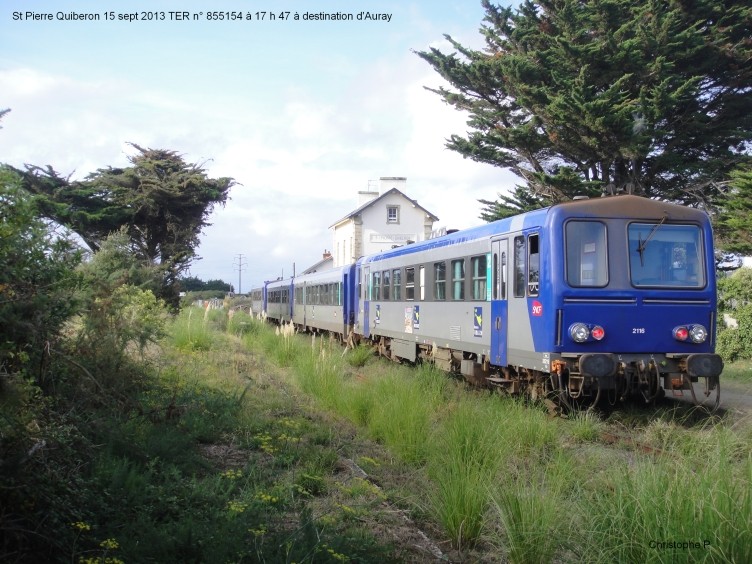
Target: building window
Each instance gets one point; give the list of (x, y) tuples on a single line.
[(392, 214)]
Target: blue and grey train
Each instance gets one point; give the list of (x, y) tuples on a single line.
[(590, 299)]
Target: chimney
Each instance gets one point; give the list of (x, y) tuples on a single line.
[(365, 196), (327, 255), (386, 183)]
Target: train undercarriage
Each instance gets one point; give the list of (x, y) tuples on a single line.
[(576, 382)]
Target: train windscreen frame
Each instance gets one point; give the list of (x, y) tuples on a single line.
[(586, 253), (666, 255)]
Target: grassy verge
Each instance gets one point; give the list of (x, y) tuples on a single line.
[(262, 445), (739, 371), (500, 474), (214, 459)]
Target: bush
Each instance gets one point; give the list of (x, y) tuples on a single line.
[(733, 343), (38, 288)]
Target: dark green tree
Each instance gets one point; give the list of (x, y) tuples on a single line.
[(522, 200), (195, 284), (645, 96), (161, 201), (734, 218), (191, 284)]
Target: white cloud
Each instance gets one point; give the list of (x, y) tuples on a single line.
[(300, 153)]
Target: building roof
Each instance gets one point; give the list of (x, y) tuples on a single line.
[(359, 210), (324, 264)]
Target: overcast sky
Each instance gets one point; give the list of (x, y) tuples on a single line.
[(301, 113)]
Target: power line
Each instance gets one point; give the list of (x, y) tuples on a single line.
[(240, 267)]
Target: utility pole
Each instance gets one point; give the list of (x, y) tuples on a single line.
[(239, 267)]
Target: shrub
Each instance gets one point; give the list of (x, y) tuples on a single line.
[(38, 286), (733, 343)]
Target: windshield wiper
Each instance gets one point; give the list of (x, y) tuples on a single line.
[(642, 245)]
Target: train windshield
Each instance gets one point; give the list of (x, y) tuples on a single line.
[(587, 253), (666, 255)]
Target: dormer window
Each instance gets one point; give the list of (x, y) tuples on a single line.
[(392, 214)]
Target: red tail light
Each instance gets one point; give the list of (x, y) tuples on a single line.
[(681, 333)]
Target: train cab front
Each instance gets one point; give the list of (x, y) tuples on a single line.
[(637, 301)]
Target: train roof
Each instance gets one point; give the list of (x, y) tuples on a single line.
[(626, 206)]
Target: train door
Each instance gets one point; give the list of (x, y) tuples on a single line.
[(344, 302), (499, 325), (366, 289)]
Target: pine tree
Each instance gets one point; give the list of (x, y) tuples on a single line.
[(161, 201), (642, 96), (734, 220)]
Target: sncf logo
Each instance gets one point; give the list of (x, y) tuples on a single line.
[(537, 308)]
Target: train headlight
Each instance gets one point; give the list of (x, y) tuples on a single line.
[(579, 332), (695, 333), (698, 334)]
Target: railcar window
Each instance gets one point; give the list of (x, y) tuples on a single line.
[(458, 279), (386, 287), (439, 278), (503, 276), (666, 255), (397, 283), (519, 267), (376, 285), (586, 253), (410, 283), (478, 265), (422, 283), (533, 269)]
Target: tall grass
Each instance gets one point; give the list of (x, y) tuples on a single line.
[(503, 470), (282, 344), (401, 414), (359, 356), (191, 332), (464, 462), (240, 323), (537, 509), (668, 510), (319, 374)]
